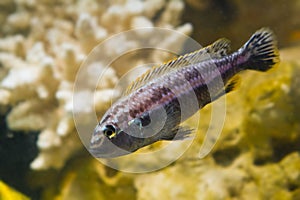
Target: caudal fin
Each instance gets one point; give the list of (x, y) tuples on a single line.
[(261, 50)]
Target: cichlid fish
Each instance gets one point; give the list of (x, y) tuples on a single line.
[(151, 108)]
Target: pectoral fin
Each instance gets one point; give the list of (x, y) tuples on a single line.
[(178, 133)]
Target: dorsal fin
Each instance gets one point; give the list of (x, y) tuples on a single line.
[(216, 50)]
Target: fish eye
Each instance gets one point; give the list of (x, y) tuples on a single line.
[(109, 131)]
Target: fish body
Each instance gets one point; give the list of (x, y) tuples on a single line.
[(152, 107)]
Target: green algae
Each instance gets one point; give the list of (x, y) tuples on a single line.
[(86, 178), (272, 118), (291, 167)]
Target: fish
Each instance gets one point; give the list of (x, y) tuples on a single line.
[(154, 106)]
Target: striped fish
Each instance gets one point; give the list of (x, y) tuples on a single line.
[(154, 105)]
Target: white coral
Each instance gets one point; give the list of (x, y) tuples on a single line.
[(38, 70)]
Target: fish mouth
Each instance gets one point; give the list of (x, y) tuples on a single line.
[(102, 147)]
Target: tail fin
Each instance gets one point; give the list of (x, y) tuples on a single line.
[(261, 50)]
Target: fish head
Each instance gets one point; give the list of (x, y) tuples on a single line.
[(105, 143), (120, 133), (110, 140)]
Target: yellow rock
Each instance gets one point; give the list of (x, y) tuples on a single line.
[(7, 193)]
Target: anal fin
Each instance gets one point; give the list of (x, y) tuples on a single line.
[(230, 86)]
